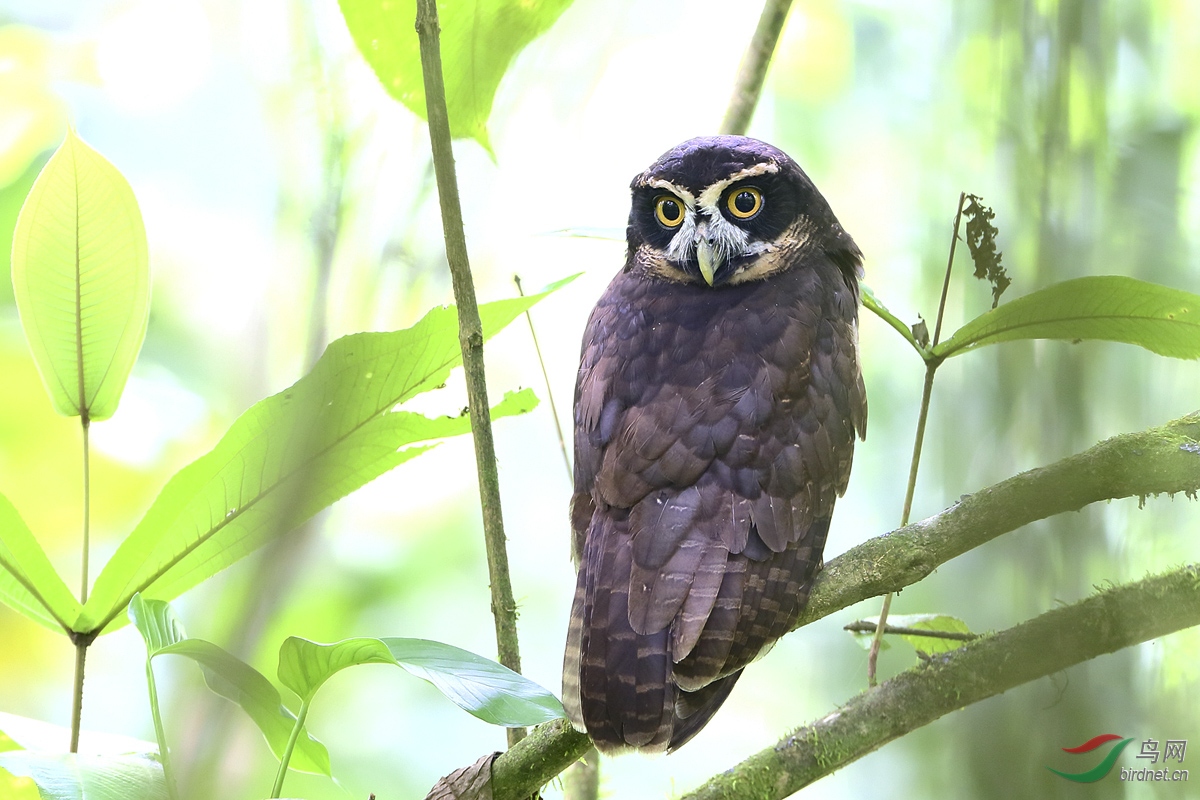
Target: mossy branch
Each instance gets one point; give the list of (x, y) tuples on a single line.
[(1107, 622), (1162, 460), (470, 337), (752, 72)]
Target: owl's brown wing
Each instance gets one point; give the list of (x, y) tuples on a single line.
[(713, 432)]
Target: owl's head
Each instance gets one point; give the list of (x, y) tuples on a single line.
[(724, 210)]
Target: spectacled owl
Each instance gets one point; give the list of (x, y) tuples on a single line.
[(717, 402)]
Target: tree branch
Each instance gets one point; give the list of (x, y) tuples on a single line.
[(753, 69), (1160, 460), (470, 338), (1107, 622)]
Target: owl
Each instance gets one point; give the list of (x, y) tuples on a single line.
[(717, 403)]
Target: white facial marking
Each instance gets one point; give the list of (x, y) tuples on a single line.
[(712, 194), (687, 197), (703, 219)]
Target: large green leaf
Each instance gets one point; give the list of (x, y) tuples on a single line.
[(293, 454), (81, 278), (15, 788), (28, 582), (67, 776), (231, 678), (23, 733), (1109, 307), (479, 40), (490, 691)]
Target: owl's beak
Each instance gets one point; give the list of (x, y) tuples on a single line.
[(705, 258), (706, 254)]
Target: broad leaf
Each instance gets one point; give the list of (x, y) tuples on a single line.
[(484, 688), (1109, 307), (231, 678), (304, 666), (8, 743), (293, 454), (15, 788), (23, 733), (81, 278), (28, 582), (479, 39), (67, 776), (155, 620), (490, 691)]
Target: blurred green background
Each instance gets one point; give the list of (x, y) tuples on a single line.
[(289, 201)]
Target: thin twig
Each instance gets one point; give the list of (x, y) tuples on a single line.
[(862, 626), (931, 365), (470, 337), (753, 69), (558, 428)]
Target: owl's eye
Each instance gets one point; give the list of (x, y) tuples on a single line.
[(744, 203), (668, 210)]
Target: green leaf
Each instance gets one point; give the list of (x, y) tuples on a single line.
[(231, 678), (479, 39), (490, 691), (81, 277), (67, 776), (304, 666), (34, 734), (156, 621), (14, 788), (28, 582), (481, 687), (293, 454), (1109, 307)]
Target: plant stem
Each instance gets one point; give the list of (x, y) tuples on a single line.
[(87, 501), (470, 338), (81, 645), (931, 365), (77, 695), (160, 734), (753, 69), (286, 755), (558, 428)]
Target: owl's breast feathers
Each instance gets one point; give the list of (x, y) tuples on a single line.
[(713, 431)]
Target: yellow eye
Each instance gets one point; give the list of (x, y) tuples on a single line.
[(669, 210), (745, 202)]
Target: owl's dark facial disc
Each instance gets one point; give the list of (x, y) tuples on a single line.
[(722, 210)]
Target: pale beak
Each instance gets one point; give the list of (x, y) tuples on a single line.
[(704, 256), (705, 253)]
